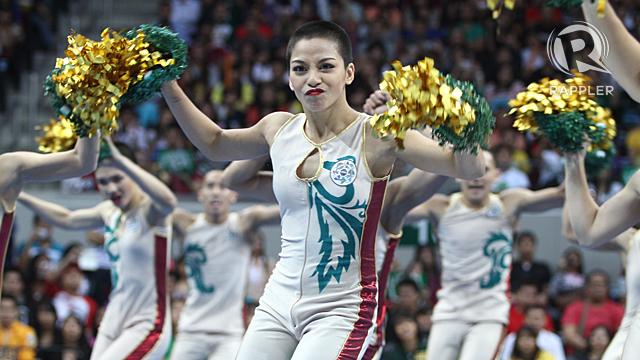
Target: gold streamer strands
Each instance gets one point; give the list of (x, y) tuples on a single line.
[(552, 97), (57, 136), (420, 98), (94, 75)]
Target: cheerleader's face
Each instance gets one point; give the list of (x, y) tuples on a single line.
[(115, 185), (317, 74), (215, 197), (478, 190)]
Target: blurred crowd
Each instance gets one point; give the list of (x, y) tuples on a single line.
[(237, 73)]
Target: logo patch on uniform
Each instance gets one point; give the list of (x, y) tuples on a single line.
[(133, 223), (343, 172)]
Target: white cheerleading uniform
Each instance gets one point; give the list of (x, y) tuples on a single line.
[(137, 321), (320, 301), (385, 251), (624, 339), (475, 248), (217, 260)]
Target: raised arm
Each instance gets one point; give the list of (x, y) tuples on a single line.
[(60, 216), (592, 224), (80, 161), (624, 56), (218, 144), (259, 215), (620, 243), (181, 220), (405, 193), (520, 200), (425, 154), (164, 201), (245, 177)]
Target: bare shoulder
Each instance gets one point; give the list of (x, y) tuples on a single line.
[(182, 218), (272, 123), (438, 204)]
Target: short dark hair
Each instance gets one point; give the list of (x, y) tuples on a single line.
[(528, 234), (408, 282), (525, 330), (534, 307), (325, 30), (527, 283)]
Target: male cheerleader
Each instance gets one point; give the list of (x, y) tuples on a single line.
[(475, 231), (217, 251)]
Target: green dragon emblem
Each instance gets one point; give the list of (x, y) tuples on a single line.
[(498, 248), (110, 240), (194, 257), (336, 207)]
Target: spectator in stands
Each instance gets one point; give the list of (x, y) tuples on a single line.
[(598, 342), (581, 317), (17, 340), (567, 284), (40, 275), (605, 186), (425, 272), (74, 342), (13, 285), (526, 347), (40, 242), (510, 175), (525, 269), (176, 163), (68, 301), (260, 268), (184, 17), (537, 318), (49, 336), (409, 344), (424, 322), (524, 297)]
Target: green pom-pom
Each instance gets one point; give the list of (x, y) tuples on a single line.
[(105, 152), (61, 107), (476, 134), (172, 47), (564, 130), (598, 160), (565, 4)]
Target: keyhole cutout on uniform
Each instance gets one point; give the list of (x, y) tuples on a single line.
[(310, 165)]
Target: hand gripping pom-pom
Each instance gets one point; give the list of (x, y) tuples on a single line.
[(421, 97)]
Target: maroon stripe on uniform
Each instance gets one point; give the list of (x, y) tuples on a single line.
[(161, 292), (368, 292), (383, 280), (5, 234)]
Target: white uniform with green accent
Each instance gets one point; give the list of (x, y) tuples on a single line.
[(320, 301), (137, 321), (217, 260), (475, 247), (632, 278)]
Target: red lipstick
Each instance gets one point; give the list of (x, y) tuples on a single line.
[(314, 92)]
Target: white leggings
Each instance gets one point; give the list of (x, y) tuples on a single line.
[(479, 341), (137, 342), (328, 338), (201, 346)]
